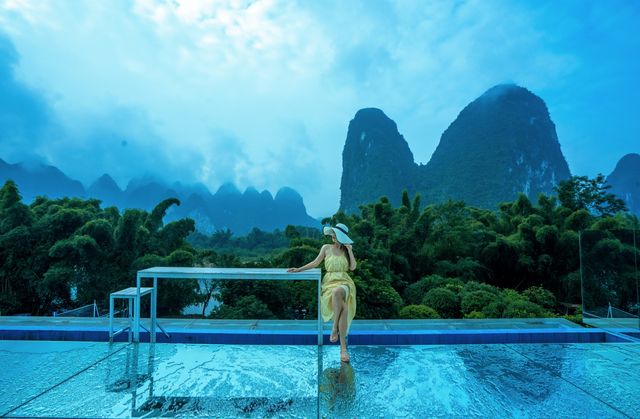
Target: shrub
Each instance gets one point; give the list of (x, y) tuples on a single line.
[(494, 310), (418, 311), (475, 315), (249, 307), (524, 309), (472, 286), (376, 299), (444, 301), (415, 292), (508, 296), (540, 296), (575, 318), (454, 284), (476, 301)]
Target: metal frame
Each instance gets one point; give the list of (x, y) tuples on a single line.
[(131, 295), (251, 274)]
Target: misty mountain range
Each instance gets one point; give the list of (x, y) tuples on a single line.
[(227, 208), (501, 144)]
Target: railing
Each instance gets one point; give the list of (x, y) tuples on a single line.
[(182, 273), (90, 310)]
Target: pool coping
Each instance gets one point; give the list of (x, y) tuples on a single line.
[(284, 333)]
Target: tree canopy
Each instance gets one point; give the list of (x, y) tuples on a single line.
[(445, 260)]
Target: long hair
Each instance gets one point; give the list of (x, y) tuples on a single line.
[(343, 249)]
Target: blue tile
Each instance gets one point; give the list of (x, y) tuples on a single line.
[(494, 338), (373, 337)]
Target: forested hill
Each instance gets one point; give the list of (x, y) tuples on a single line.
[(228, 208), (625, 181), (501, 144), (376, 160)]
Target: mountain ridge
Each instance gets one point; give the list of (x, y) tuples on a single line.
[(500, 144), (227, 208), (625, 181)]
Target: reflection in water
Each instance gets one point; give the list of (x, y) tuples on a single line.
[(338, 389), (522, 379), (125, 374), (211, 381), (134, 373)]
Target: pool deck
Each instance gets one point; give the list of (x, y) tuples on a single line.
[(304, 332)]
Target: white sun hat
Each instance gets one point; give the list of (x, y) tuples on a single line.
[(340, 230)]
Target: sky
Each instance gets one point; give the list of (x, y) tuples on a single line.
[(260, 93)]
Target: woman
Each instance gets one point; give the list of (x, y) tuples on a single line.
[(338, 298)]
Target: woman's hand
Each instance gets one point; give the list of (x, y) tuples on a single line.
[(349, 248), (293, 270)]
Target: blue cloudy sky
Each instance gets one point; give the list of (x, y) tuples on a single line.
[(261, 92)]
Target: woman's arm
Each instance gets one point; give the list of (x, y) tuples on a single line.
[(313, 264), (352, 259)]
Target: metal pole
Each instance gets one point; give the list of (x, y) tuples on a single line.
[(136, 310), (130, 316), (635, 263), (153, 309), (319, 312), (110, 318), (581, 274)]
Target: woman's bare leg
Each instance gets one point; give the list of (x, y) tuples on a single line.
[(337, 299), (342, 326)]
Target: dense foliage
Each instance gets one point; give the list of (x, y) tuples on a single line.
[(53, 246), (443, 261), (255, 245)]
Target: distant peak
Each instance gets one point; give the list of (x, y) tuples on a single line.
[(251, 191), (105, 181), (370, 113), (228, 188), (105, 178), (632, 159), (628, 165), (506, 91), (287, 193), (144, 180)]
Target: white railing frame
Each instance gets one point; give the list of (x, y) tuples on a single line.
[(240, 274)]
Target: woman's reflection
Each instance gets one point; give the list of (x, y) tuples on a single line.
[(338, 388)]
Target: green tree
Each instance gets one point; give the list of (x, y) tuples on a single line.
[(581, 192), (248, 307), (419, 311), (444, 301)]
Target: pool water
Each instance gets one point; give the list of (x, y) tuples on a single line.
[(89, 379)]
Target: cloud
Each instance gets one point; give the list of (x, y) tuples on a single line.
[(261, 92), (25, 120)]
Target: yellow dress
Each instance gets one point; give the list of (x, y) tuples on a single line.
[(336, 267)]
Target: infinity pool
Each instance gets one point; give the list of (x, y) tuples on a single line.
[(89, 379)]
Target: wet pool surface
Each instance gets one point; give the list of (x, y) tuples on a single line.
[(89, 379)]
